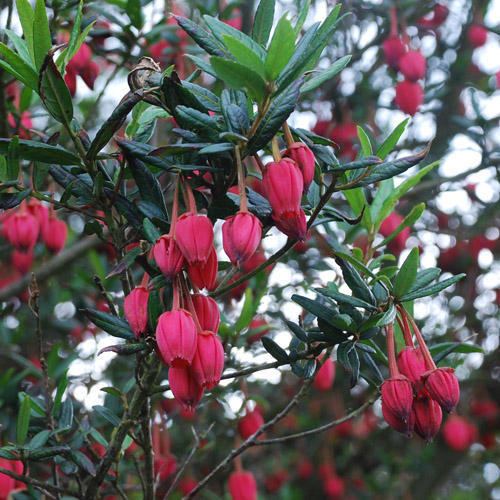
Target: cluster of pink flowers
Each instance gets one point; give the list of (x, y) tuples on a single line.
[(416, 390), (25, 225)]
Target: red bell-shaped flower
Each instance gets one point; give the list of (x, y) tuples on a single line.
[(207, 312), (176, 337), (397, 400), (250, 423), (477, 35), (54, 234), (413, 65), (325, 376), (204, 275), (442, 386), (393, 48), (411, 363), (22, 261), (241, 235), (38, 210), (135, 307), (459, 433), (304, 159), (427, 416), (208, 362), (194, 234), (409, 96), (293, 224), (22, 229), (242, 485), (283, 185), (168, 256), (184, 387)]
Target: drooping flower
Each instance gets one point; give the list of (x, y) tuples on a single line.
[(241, 236), (208, 362), (135, 308)]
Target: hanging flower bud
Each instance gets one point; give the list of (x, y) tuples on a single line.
[(205, 275), (208, 361), (427, 416), (176, 337), (242, 486), (413, 65), (442, 386), (207, 312), (459, 433), (325, 376), (184, 387), (168, 256), (135, 307), (411, 363), (304, 159), (22, 261), (22, 230), (409, 96), (54, 233), (397, 399), (194, 234), (241, 235), (250, 423), (394, 48), (477, 35)]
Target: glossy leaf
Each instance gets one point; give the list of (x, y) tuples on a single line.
[(39, 151), (263, 21), (407, 274), (111, 324), (432, 289), (322, 77), (280, 49)]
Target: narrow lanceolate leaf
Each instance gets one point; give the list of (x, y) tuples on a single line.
[(21, 47), (415, 214), (111, 324), (280, 49), (407, 274), (302, 15), (39, 151), (26, 16), (355, 282), (203, 38), (113, 123), (73, 39), (390, 142), (432, 289), (54, 92), (279, 111), (392, 168), (149, 187), (42, 41), (318, 79), (263, 21), (23, 420), (274, 350), (425, 277), (345, 299), (315, 307), (236, 75), (364, 140), (17, 67)]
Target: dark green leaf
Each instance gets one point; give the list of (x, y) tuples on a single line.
[(39, 440), (355, 282), (107, 414), (134, 12), (345, 299), (316, 308), (48, 452), (263, 21), (54, 93), (202, 37), (407, 274), (83, 461), (274, 350), (113, 123), (431, 290), (425, 277), (125, 207), (111, 324), (66, 418), (297, 331), (38, 151), (124, 349), (11, 200), (279, 111)]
